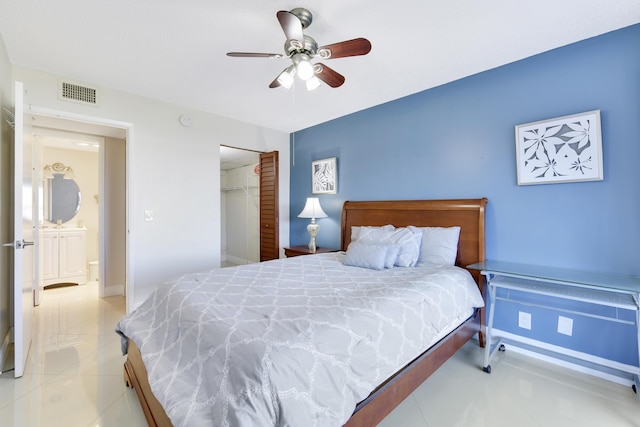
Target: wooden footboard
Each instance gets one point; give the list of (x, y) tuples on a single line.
[(135, 376), (387, 397)]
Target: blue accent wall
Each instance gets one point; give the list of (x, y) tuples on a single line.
[(458, 141)]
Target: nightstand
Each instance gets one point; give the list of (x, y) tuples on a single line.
[(304, 250)]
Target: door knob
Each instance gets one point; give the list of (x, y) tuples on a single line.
[(18, 244)]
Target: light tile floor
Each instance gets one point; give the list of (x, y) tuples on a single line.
[(74, 378), (74, 371)]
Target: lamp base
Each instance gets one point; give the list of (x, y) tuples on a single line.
[(313, 229)]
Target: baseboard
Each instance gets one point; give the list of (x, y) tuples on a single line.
[(599, 367), (114, 291)]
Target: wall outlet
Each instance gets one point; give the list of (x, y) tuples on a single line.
[(565, 325), (524, 320), (148, 215)]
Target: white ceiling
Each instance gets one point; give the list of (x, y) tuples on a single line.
[(233, 158), (174, 51)]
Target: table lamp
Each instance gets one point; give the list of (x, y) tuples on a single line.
[(313, 210)]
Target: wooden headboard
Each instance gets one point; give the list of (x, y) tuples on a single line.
[(469, 214)]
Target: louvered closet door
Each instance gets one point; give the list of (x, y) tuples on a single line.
[(269, 241)]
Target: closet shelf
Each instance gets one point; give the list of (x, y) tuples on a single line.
[(239, 187)]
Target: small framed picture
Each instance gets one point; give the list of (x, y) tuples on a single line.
[(324, 176), (564, 149)]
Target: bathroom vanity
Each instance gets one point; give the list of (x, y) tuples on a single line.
[(64, 257)]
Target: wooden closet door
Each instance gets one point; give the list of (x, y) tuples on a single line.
[(269, 230)]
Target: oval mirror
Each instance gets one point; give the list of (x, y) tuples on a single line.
[(64, 198)]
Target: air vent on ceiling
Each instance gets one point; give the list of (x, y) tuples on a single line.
[(77, 93)]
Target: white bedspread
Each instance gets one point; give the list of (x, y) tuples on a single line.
[(290, 342)]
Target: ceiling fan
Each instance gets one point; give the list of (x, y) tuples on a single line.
[(301, 48)]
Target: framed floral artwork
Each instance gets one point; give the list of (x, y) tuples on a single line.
[(564, 149), (324, 176)]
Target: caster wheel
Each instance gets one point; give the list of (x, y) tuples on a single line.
[(635, 390), (502, 348), (487, 369)]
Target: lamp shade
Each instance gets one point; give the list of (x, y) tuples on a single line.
[(312, 209)]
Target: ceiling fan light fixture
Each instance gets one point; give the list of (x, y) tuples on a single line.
[(313, 83), (303, 65), (286, 77), (301, 49)]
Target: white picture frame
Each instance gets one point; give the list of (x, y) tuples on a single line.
[(564, 149), (324, 176)]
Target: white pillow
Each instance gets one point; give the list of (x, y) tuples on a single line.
[(392, 255), (439, 245), (367, 230), (408, 240), (366, 256)]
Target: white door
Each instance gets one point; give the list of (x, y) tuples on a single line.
[(23, 238), (49, 256)]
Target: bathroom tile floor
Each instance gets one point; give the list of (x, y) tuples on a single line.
[(74, 378)]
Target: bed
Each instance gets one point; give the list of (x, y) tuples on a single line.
[(392, 388)]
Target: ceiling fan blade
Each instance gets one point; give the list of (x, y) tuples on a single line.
[(328, 75), (254, 55), (355, 47), (291, 26)]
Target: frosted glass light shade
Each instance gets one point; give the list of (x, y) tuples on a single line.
[(303, 65), (286, 77), (313, 83)]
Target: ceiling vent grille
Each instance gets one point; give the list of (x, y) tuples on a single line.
[(69, 91)]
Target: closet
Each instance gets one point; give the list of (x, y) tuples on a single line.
[(240, 205)]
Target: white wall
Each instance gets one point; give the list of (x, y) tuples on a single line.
[(173, 171), (114, 206)]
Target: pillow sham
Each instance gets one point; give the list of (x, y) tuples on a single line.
[(392, 256), (408, 240), (367, 256), (358, 231), (439, 245)]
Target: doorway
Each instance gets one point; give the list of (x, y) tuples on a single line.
[(95, 150), (240, 206)]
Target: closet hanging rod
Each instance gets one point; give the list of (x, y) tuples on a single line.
[(239, 187)]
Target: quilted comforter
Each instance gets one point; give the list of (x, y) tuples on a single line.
[(290, 342)]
